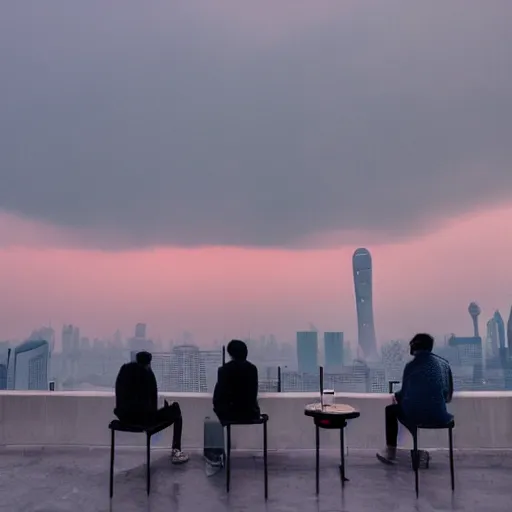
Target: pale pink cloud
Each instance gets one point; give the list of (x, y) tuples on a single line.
[(425, 283)]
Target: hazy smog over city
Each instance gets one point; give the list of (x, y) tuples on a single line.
[(212, 172)]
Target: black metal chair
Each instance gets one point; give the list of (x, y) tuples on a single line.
[(416, 453), (118, 426), (262, 420)]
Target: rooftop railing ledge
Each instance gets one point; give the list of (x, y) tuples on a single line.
[(284, 395)]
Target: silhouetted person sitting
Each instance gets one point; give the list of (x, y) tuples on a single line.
[(427, 386), (235, 397), (137, 402)]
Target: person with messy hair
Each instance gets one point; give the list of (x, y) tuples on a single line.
[(137, 402), (235, 397)]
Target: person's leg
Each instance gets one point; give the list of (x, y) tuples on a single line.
[(388, 455), (172, 414), (175, 415), (392, 415)]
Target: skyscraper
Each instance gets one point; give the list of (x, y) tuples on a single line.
[(468, 350), (509, 334), (188, 373), (492, 337), (500, 326), (362, 269), (333, 351), (501, 329), (3, 376), (140, 342), (474, 311), (307, 351), (30, 362), (211, 360)]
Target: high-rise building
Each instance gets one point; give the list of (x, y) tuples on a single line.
[(474, 311), (362, 269), (307, 351), (492, 337), (468, 350), (500, 326), (30, 370), (140, 342), (211, 360), (70, 340), (187, 370), (395, 354), (333, 351), (3, 376), (46, 334), (509, 334)]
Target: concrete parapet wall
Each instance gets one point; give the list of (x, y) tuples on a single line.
[(483, 421)]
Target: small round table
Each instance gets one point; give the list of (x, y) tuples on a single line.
[(331, 417)]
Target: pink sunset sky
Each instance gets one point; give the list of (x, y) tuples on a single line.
[(425, 283), (212, 169)]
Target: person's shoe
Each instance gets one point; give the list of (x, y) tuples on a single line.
[(178, 457), (387, 456)]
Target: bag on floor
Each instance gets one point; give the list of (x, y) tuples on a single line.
[(214, 452)]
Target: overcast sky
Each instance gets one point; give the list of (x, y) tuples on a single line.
[(253, 124), (134, 136)]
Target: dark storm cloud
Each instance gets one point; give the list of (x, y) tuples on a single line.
[(262, 125)]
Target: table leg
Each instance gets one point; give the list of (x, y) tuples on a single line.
[(342, 456), (317, 459)]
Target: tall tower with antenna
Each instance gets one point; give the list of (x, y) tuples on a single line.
[(362, 271), (474, 311)]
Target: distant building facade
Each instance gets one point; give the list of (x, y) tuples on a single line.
[(307, 351), (30, 365), (188, 373), (492, 337), (3, 376), (468, 350), (500, 326), (210, 360), (333, 351), (362, 270), (509, 335)]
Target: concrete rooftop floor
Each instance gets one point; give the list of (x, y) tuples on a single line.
[(59, 480)]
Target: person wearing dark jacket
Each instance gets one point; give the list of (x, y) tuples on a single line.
[(137, 401), (235, 397), (427, 386)]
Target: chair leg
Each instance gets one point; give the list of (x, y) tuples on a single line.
[(148, 463), (416, 461), (228, 458), (452, 471), (317, 460), (342, 457), (265, 461), (112, 450)]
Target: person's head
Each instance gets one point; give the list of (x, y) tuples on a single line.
[(237, 350), (144, 359), (421, 343)]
